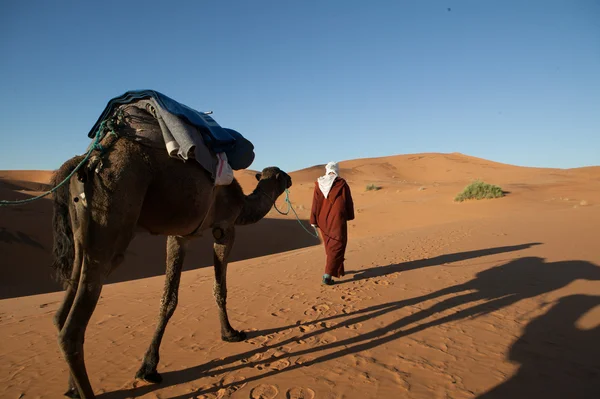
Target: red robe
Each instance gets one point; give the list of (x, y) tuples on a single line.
[(330, 215)]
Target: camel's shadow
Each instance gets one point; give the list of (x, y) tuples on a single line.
[(146, 254), (499, 287), (557, 358)]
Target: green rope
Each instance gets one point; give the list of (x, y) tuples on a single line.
[(289, 204), (94, 146)]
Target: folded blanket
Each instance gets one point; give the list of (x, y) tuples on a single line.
[(214, 136)]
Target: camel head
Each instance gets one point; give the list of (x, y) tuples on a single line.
[(275, 179), (272, 182)]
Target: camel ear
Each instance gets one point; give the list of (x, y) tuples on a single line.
[(258, 176)]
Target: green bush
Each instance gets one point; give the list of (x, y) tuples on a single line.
[(479, 190), (372, 187)]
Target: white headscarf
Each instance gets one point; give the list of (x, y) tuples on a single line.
[(325, 182)]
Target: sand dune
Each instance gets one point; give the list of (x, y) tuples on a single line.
[(485, 299)]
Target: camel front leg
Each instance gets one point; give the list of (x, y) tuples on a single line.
[(224, 240), (168, 303)]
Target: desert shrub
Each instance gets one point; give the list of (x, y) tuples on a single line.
[(479, 190), (372, 187)]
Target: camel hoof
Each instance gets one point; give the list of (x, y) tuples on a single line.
[(152, 377), (73, 393), (237, 336)]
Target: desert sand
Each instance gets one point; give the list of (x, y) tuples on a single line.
[(482, 299)]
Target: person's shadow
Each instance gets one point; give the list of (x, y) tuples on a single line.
[(558, 359), (490, 290)]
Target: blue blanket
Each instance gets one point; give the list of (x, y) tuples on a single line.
[(215, 137)]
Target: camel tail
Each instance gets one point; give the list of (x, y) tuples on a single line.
[(63, 247)]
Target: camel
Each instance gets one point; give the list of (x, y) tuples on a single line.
[(127, 187)]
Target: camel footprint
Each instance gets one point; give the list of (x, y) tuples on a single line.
[(308, 328), (232, 383), (320, 308), (280, 364), (304, 359), (264, 391), (300, 393)]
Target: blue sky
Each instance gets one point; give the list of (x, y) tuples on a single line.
[(312, 81)]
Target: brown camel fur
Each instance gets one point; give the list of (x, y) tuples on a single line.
[(133, 186)]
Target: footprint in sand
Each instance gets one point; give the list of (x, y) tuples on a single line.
[(280, 312), (230, 384), (232, 379), (326, 339), (349, 297), (320, 308), (349, 310), (279, 364), (381, 282), (316, 309), (264, 391), (286, 349), (307, 328), (43, 305), (304, 359), (300, 393), (254, 358), (280, 352), (355, 326), (261, 340)]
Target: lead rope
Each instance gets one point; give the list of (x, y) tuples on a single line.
[(291, 207)]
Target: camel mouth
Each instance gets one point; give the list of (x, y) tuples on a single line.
[(289, 182)]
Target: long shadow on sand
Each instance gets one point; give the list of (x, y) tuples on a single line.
[(380, 271), (145, 256), (499, 287), (558, 359)]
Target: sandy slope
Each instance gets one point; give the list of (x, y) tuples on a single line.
[(488, 299)]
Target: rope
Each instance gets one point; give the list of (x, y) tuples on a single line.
[(289, 203), (94, 146)]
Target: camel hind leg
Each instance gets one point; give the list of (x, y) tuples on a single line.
[(72, 334), (63, 311)]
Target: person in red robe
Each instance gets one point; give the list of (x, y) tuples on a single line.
[(332, 208)]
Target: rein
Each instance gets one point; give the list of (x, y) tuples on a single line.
[(290, 207)]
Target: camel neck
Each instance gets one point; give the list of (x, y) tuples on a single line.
[(257, 204)]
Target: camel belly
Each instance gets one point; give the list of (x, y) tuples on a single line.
[(177, 199)]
